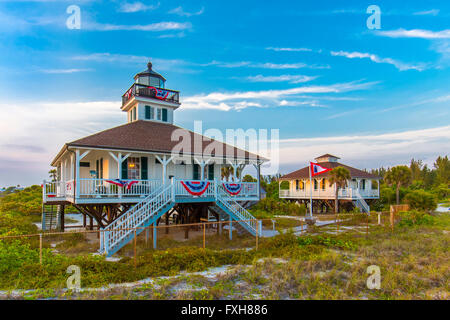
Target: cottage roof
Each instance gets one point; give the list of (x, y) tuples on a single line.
[(150, 136), (303, 173)]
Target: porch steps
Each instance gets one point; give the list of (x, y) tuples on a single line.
[(49, 217), (361, 204), (119, 233), (145, 213), (224, 216)]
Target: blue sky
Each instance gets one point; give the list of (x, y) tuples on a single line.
[(313, 70)]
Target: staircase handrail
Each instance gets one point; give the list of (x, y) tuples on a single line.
[(245, 216)]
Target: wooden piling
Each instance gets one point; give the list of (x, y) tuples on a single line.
[(204, 235), (135, 243), (40, 248)]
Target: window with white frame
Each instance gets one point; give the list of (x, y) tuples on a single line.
[(134, 168)]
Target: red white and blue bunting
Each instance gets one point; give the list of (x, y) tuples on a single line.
[(233, 188), (122, 183), (196, 188)]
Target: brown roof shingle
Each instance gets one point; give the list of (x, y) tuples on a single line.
[(149, 136), (304, 172)]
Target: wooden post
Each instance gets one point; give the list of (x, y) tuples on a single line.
[(379, 218), (147, 231), (40, 248), (367, 228), (204, 236), (257, 231), (231, 227), (337, 223), (155, 235), (135, 240)]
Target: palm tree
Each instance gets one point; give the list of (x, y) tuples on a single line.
[(53, 174), (338, 177), (225, 172), (398, 176)]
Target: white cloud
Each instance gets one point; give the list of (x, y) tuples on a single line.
[(64, 71), (158, 64), (266, 98), (289, 49), (131, 7), (264, 65), (180, 11), (282, 78), (432, 12), (31, 134), (155, 27), (373, 57), (370, 150), (416, 33)]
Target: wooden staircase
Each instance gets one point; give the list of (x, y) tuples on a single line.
[(50, 217), (117, 234), (145, 213)]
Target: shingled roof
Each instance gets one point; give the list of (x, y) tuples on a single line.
[(304, 172), (149, 136)]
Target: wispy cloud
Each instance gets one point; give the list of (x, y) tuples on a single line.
[(131, 7), (155, 27), (283, 78), (264, 65), (373, 57), (432, 12), (289, 49), (439, 99), (416, 33), (64, 71), (180, 11), (266, 98)]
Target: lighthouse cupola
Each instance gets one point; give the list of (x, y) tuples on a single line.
[(150, 78), (148, 99)]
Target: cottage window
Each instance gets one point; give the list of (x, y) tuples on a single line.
[(158, 114), (323, 184), (363, 184), (315, 184), (302, 185), (149, 112), (134, 168), (297, 186)]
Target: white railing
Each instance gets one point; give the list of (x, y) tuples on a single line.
[(361, 203), (106, 188), (240, 212), (92, 188), (135, 217), (53, 189), (351, 193), (180, 190)]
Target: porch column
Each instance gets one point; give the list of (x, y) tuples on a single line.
[(119, 159), (164, 161), (235, 166), (202, 163), (78, 158), (258, 178)]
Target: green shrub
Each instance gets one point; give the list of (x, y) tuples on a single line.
[(415, 217), (421, 200)]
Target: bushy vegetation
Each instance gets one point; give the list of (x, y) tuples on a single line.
[(415, 218), (417, 184), (270, 207)]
